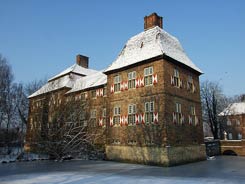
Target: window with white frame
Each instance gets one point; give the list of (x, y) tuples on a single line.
[(131, 114), (131, 79), (178, 112), (116, 116), (148, 72), (93, 113), (190, 85), (117, 83), (192, 114), (149, 110), (176, 78)]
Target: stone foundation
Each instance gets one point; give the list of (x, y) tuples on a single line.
[(164, 156)]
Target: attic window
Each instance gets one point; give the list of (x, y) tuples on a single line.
[(142, 44), (158, 36)]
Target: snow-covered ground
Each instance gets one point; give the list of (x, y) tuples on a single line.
[(221, 170)]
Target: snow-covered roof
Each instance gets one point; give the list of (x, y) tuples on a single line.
[(96, 79), (148, 44), (65, 81), (234, 109), (74, 69)]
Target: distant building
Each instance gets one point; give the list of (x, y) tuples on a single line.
[(234, 128), (147, 100)]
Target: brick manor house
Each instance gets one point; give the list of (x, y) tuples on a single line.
[(146, 103)]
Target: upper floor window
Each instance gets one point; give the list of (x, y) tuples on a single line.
[(149, 110), (93, 113), (148, 72), (117, 83), (192, 117), (190, 85), (131, 79), (131, 114), (93, 93), (117, 113), (176, 78)]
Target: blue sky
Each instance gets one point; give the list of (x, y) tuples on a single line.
[(42, 38)]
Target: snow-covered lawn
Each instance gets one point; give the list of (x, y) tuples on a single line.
[(221, 170)]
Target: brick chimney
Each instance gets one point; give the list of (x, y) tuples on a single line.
[(152, 21), (82, 60)]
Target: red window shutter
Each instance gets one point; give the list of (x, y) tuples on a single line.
[(111, 121), (182, 119), (101, 92), (100, 122), (121, 86), (126, 120), (97, 92), (155, 117), (143, 118), (121, 120), (172, 80), (141, 82), (126, 85), (155, 79), (137, 119), (112, 88)]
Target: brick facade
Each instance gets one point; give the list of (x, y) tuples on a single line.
[(147, 112)]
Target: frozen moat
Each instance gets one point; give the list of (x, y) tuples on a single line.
[(227, 169)]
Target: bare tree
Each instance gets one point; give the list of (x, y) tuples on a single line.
[(6, 79), (68, 133), (213, 102)]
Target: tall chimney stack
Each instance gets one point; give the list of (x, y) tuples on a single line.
[(152, 21), (82, 61)]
